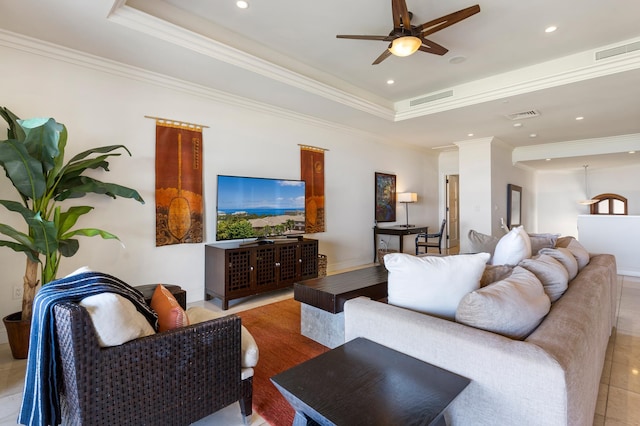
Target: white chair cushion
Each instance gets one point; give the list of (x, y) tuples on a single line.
[(115, 319), (433, 284), (250, 352), (512, 307)]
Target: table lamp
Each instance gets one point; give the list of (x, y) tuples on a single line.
[(406, 198)]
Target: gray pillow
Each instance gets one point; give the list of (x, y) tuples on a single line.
[(577, 250), (482, 243), (512, 307), (540, 241), (493, 273), (565, 257), (553, 276)]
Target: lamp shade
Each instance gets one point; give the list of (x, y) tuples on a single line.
[(407, 197), (405, 46)]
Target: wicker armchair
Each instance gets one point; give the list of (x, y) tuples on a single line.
[(170, 378)]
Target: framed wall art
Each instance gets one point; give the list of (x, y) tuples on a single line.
[(385, 198)]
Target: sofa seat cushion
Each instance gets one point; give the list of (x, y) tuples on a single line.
[(553, 276), (513, 307), (115, 319), (433, 284), (512, 248), (250, 353)]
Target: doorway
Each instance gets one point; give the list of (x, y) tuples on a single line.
[(452, 212)]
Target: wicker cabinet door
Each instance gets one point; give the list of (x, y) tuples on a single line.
[(308, 259), (265, 267), (288, 266), (238, 271)]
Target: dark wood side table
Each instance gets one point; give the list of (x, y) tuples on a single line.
[(399, 230), (364, 383), (322, 301)]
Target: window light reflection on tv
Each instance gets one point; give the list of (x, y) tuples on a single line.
[(250, 207)]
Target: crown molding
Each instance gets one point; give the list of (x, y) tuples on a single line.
[(143, 22), (570, 69), (81, 59)]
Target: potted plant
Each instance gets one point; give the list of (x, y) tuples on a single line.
[(33, 160)]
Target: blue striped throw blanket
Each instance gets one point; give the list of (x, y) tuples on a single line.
[(40, 399)]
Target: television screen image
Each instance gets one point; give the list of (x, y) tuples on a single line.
[(249, 207)]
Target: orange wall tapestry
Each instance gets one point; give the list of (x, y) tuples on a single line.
[(312, 172), (179, 207)]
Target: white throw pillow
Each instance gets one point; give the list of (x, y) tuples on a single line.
[(250, 353), (512, 307), (433, 284), (565, 257), (512, 248), (115, 319), (553, 276)]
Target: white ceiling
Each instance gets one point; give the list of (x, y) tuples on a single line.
[(285, 54)]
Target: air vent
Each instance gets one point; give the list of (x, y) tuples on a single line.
[(431, 98), (615, 51), (522, 115)]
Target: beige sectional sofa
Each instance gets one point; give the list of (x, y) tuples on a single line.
[(549, 378)]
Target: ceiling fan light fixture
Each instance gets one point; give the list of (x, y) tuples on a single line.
[(405, 46)]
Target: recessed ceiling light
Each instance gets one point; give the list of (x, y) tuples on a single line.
[(632, 152), (390, 81), (517, 124), (579, 118), (242, 4), (547, 159), (469, 134), (533, 135), (550, 29), (457, 60)]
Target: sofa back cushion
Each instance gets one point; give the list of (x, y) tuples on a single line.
[(565, 257), (433, 284), (512, 248), (553, 276), (512, 307)]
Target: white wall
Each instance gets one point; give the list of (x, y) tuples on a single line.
[(558, 194), (103, 103)]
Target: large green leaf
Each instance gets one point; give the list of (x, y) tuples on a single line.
[(31, 254), (43, 136), (24, 171), (66, 220), (82, 185), (20, 237), (99, 150), (68, 248), (91, 232), (14, 206), (45, 234), (14, 131)]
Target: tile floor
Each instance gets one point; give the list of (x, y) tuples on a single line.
[(618, 402)]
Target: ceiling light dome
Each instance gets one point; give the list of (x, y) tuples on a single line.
[(405, 46)]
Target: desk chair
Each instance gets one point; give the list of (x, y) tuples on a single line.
[(426, 237)]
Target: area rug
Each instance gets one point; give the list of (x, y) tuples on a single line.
[(276, 329)]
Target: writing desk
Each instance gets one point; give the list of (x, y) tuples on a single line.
[(399, 230)]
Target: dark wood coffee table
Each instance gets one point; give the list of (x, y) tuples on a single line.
[(321, 312), (364, 383)]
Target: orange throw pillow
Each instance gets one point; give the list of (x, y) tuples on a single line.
[(170, 313)]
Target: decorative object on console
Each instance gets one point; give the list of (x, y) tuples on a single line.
[(514, 206), (312, 173), (385, 198), (407, 198), (179, 207)]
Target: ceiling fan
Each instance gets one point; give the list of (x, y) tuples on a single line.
[(406, 38)]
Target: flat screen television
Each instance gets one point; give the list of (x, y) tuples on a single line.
[(249, 207)]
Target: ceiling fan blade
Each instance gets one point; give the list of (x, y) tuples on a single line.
[(432, 47), (403, 13), (447, 20), (395, 13), (382, 57), (366, 37)]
